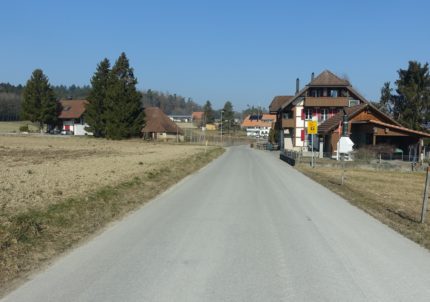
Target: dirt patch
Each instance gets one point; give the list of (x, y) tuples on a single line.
[(393, 197)]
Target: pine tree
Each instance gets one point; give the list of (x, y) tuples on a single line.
[(39, 103), (228, 116), (386, 97), (411, 105), (95, 110), (124, 114), (209, 116)]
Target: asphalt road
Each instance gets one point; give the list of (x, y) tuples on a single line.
[(246, 228)]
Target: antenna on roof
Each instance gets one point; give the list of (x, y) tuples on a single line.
[(297, 85)]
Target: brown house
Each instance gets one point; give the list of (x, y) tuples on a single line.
[(159, 126), (319, 101)]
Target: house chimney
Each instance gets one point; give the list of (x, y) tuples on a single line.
[(312, 76), (297, 85)]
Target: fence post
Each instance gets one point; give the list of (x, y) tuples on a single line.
[(425, 199)]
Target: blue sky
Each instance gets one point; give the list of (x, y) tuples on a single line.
[(242, 51)]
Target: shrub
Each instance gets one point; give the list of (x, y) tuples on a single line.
[(23, 128)]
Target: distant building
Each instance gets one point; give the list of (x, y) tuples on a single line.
[(180, 118), (72, 117), (258, 125), (197, 117), (158, 126)]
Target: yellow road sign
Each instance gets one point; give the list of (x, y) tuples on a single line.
[(312, 127)]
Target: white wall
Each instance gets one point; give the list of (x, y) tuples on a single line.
[(78, 129)]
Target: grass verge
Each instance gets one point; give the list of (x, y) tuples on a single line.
[(29, 239), (392, 197)]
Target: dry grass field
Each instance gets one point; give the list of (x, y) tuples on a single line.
[(393, 197), (36, 172), (55, 191)]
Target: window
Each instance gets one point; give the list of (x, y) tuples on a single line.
[(323, 115), (308, 114), (333, 93)]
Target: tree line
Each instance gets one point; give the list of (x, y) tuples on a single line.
[(169, 103), (11, 100)]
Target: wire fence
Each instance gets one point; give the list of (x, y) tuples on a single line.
[(384, 161), (201, 138)]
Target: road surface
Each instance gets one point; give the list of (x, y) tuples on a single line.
[(246, 228)]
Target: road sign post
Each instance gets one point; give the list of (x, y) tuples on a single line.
[(312, 130)]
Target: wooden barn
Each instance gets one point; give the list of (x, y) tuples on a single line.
[(159, 126)]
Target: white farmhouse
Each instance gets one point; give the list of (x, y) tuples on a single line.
[(72, 117), (258, 125)]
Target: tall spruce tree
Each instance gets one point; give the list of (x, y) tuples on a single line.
[(228, 116), (209, 116), (39, 102), (124, 114), (95, 110)]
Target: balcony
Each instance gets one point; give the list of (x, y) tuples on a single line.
[(288, 123), (326, 102)]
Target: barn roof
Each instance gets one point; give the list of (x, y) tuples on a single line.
[(157, 121)]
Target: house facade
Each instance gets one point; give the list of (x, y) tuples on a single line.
[(258, 125), (320, 100), (72, 117)]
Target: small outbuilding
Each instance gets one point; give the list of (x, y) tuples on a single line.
[(159, 126)]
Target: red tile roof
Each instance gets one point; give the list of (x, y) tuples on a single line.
[(158, 122), (265, 121), (72, 109)]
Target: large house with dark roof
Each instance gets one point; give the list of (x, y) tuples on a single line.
[(326, 99)]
